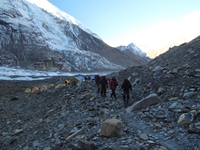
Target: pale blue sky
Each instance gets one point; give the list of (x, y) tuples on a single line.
[(116, 20)]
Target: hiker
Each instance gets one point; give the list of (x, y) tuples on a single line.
[(113, 84), (126, 87), (97, 79), (87, 78), (104, 86)]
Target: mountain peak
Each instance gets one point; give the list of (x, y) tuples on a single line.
[(132, 48), (131, 44)]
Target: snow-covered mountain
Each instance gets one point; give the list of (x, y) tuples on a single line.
[(135, 50), (132, 48), (37, 35)]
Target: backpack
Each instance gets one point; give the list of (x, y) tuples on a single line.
[(104, 82), (97, 79), (115, 83)]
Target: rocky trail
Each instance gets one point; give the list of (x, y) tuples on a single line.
[(163, 113)]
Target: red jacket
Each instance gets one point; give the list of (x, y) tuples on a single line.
[(113, 84)]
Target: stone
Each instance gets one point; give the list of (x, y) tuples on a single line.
[(158, 68), (87, 96), (173, 106), (194, 112), (185, 119), (185, 109), (143, 136), (109, 98), (18, 131), (148, 101), (188, 94), (86, 145), (129, 78), (157, 126), (174, 71), (112, 128), (197, 125), (124, 147), (161, 90)]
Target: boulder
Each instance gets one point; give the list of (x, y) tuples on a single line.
[(147, 101), (112, 128), (86, 145), (185, 119)]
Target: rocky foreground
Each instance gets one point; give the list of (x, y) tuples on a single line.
[(163, 113)]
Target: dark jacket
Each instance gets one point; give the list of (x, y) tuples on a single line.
[(104, 83), (126, 86), (97, 79)]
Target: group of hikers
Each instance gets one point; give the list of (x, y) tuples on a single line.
[(102, 84)]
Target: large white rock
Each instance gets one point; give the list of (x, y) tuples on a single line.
[(147, 101)]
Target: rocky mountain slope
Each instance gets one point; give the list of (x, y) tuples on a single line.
[(37, 35), (72, 117)]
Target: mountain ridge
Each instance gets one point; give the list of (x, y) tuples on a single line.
[(32, 38)]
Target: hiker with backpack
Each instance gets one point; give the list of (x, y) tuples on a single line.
[(97, 79), (113, 85), (126, 87), (104, 86)]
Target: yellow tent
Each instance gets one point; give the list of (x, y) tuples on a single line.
[(28, 90), (43, 88), (35, 89), (73, 80), (51, 85)]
